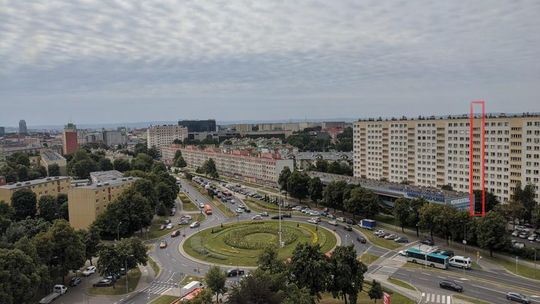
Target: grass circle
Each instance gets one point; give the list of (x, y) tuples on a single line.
[(241, 243)]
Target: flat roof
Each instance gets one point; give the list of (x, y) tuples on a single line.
[(51, 155), (109, 183), (104, 176), (34, 182)]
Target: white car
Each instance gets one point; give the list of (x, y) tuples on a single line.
[(169, 226), (239, 210), (257, 218), (332, 222), (61, 289), (531, 237), (89, 271), (340, 219), (201, 205), (402, 253), (195, 224), (313, 221)]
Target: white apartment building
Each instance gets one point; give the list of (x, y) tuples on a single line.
[(160, 136), (433, 152), (263, 168)]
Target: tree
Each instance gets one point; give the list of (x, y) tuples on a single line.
[(91, 238), (6, 210), (110, 260), (48, 208), (297, 185), (121, 165), (82, 169), (178, 160), (147, 190), (535, 216), (105, 164), (375, 292), (205, 297), (165, 195), (315, 189), (268, 260), (346, 274), (142, 162), (113, 257), (321, 165), (414, 216), (428, 214), (62, 202), (140, 148), (526, 197), (256, 287), (54, 170), (333, 194), (158, 167), (401, 211), (308, 268), (61, 248), (153, 152), (24, 203), (19, 277), (283, 178), (491, 232), (209, 168), (362, 201), (444, 221), (447, 187), (215, 280)]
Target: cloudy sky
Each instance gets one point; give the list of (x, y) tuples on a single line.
[(90, 61)]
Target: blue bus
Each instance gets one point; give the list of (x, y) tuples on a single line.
[(418, 256)]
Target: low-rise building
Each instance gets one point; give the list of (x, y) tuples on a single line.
[(49, 157), (87, 200), (43, 186)]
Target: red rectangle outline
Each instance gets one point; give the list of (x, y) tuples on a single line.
[(471, 144)]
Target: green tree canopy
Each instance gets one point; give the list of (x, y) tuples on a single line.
[(309, 268), (24, 203), (54, 170), (491, 232), (215, 279), (347, 274), (375, 292), (48, 208), (297, 185), (283, 178), (315, 189), (121, 165), (19, 277)]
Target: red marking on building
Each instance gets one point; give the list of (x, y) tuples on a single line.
[(482, 157)]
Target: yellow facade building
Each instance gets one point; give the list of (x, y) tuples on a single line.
[(43, 186)]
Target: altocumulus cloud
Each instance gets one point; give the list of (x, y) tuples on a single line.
[(146, 60)]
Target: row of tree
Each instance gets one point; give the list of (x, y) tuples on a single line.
[(208, 168), (301, 280), (17, 168), (337, 195), (310, 140), (334, 167)]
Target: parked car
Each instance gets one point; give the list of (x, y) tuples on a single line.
[(167, 221), (515, 233), (162, 227), (89, 271), (75, 281), (428, 242), (401, 239), (361, 239), (347, 227), (183, 222), (340, 219), (451, 285), (265, 214), (175, 233), (201, 205), (257, 217), (523, 235), (103, 283), (517, 297), (531, 237), (349, 221), (169, 226), (378, 232), (235, 272), (163, 244), (186, 216), (313, 221), (390, 236), (332, 222), (195, 224), (239, 210)]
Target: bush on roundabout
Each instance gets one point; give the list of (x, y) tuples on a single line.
[(240, 243)]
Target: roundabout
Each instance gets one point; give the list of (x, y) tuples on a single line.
[(239, 244)]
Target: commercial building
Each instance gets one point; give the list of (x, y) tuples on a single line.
[(262, 168), (160, 136), (49, 157), (43, 186), (208, 125), (87, 200), (69, 137), (23, 130), (114, 138), (432, 152)]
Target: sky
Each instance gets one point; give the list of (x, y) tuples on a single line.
[(108, 61)]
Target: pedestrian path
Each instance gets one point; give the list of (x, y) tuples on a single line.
[(436, 298)]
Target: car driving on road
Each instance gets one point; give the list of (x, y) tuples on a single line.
[(517, 297), (195, 224), (450, 285)]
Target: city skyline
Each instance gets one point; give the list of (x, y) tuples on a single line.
[(263, 60)]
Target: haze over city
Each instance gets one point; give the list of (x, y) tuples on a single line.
[(127, 61)]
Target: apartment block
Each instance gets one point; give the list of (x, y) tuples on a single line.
[(255, 167), (49, 157), (88, 200), (160, 136), (432, 152), (43, 186)]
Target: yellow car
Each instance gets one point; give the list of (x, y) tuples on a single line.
[(163, 244)]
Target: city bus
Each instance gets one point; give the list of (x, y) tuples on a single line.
[(416, 255)]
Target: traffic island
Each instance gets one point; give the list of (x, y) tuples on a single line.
[(239, 244)]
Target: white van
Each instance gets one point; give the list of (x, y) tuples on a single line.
[(460, 262), (190, 287)]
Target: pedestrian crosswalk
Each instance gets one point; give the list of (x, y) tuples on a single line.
[(436, 298), (159, 287)]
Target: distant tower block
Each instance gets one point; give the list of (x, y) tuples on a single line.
[(477, 158)]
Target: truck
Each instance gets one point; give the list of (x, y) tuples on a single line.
[(367, 224), (190, 287), (207, 209), (58, 290)]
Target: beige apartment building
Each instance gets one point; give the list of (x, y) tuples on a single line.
[(160, 136), (88, 200), (262, 168), (49, 157), (433, 152), (43, 186)]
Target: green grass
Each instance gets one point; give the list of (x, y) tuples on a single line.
[(190, 279), (241, 243), (363, 297), (187, 204), (154, 266), (224, 209), (522, 270), (469, 299), (260, 206), (368, 258), (120, 287), (400, 283), (164, 300), (377, 241)]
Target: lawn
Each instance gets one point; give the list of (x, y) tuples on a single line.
[(241, 243), (377, 241), (522, 270), (400, 283), (363, 297), (261, 206), (469, 299), (164, 300), (120, 287), (368, 258), (187, 204), (154, 266), (224, 209)]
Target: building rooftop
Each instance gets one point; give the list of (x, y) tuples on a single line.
[(106, 183), (105, 176), (51, 155), (34, 182), (461, 116), (323, 155)]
